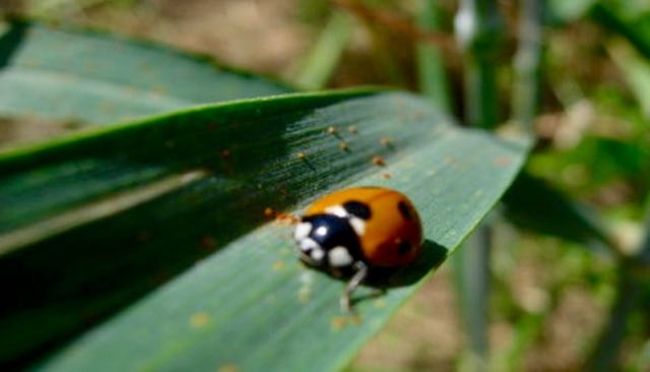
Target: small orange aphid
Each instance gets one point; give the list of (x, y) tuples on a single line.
[(208, 242), (287, 218), (378, 160)]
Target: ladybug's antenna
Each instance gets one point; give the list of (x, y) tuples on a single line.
[(357, 279)]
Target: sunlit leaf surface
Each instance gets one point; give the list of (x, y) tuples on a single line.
[(91, 223)]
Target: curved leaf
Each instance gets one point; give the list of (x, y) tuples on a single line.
[(94, 221), (531, 203), (94, 78)]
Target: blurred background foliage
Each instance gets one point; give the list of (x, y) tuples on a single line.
[(560, 300)]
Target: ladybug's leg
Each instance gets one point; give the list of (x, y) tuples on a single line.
[(357, 278)]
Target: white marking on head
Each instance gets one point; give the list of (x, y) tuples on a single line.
[(321, 231), (317, 254), (308, 244), (358, 225), (338, 211), (302, 231), (340, 257)]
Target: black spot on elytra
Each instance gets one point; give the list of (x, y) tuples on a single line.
[(403, 248), (358, 209), (404, 210)]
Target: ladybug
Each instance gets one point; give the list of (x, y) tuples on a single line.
[(353, 231)]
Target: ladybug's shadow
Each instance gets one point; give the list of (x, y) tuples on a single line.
[(433, 255)]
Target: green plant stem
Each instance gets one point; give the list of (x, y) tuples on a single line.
[(476, 26), (526, 91), (472, 274), (644, 250), (605, 353), (319, 65), (632, 294), (432, 75), (480, 89)]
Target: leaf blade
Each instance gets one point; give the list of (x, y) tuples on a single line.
[(453, 175), (86, 76)]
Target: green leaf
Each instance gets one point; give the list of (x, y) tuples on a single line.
[(533, 204), (631, 27), (93, 78), (568, 11), (432, 76), (536, 205), (93, 222), (635, 70), (319, 65)]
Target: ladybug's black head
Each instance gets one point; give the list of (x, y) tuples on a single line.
[(328, 241)]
